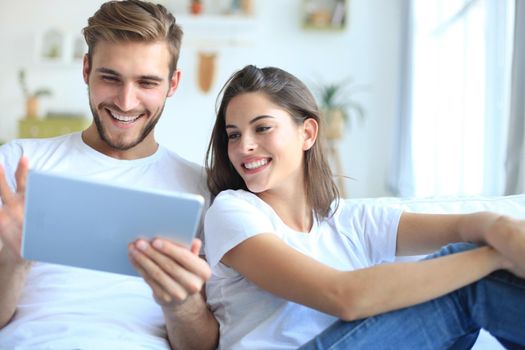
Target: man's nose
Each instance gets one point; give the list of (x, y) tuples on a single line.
[(127, 97)]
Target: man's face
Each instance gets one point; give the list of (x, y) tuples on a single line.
[(128, 84)]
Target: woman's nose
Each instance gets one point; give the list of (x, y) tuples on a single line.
[(248, 143)]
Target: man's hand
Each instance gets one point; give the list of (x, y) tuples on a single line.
[(13, 269), (176, 275), (12, 213), (172, 271)]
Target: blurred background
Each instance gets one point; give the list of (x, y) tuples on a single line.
[(423, 97)]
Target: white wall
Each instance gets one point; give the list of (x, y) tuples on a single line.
[(367, 51)]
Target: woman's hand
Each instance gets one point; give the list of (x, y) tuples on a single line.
[(172, 271), (507, 236), (12, 213)]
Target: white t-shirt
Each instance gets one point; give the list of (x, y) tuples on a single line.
[(356, 236), (72, 308)]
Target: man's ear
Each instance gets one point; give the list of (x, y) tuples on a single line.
[(85, 68), (174, 82), (310, 129)]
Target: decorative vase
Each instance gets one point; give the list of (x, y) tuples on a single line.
[(32, 107), (334, 124), (196, 7), (247, 7), (206, 70)]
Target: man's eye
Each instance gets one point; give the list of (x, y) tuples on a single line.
[(148, 84), (109, 78)]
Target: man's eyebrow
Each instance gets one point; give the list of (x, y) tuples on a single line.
[(231, 126), (151, 77), (115, 73), (107, 71)]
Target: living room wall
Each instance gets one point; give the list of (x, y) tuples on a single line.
[(367, 50)]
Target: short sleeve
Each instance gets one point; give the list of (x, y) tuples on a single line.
[(373, 227), (230, 220)]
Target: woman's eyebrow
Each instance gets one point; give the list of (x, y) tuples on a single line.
[(231, 126)]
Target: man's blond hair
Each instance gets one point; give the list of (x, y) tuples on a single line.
[(134, 21)]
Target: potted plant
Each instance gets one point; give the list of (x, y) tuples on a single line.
[(338, 107), (31, 97)]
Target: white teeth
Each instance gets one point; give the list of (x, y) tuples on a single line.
[(256, 164), (124, 118)]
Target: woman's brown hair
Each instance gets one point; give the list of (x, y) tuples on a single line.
[(288, 92)]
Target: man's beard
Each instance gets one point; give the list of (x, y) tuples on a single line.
[(116, 144)]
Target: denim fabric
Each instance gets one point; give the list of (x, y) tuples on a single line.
[(495, 303)]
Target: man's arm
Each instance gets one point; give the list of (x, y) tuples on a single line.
[(192, 325), (13, 269), (176, 276), (12, 280)]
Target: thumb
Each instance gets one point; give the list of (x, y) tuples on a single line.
[(196, 246)]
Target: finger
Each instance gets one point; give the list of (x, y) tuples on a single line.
[(160, 294), (184, 257), (177, 282), (5, 190), (191, 282), (138, 260), (21, 174), (196, 245)]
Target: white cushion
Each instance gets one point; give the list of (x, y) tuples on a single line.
[(508, 205)]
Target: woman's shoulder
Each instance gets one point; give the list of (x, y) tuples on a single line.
[(238, 206), (237, 197)]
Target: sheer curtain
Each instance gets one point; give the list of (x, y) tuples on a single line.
[(401, 180), (455, 116), (515, 166)]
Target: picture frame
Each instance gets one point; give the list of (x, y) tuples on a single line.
[(325, 14), (56, 46), (50, 46)]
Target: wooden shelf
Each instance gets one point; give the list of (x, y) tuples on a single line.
[(218, 30)]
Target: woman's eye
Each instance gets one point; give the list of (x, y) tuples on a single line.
[(233, 136), (262, 128)]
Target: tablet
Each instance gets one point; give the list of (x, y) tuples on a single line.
[(77, 222)]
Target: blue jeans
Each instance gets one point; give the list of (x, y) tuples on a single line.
[(496, 303)]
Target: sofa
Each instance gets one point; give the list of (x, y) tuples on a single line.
[(509, 205)]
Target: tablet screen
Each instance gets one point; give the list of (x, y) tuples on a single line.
[(76, 222)]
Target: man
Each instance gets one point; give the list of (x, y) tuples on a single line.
[(130, 69)]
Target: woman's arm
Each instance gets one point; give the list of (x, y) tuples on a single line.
[(423, 233), (274, 266)]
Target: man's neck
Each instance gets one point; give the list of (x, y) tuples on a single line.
[(144, 149)]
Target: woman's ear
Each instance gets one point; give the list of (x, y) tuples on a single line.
[(310, 129)]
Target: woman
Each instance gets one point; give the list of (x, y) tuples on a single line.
[(289, 258)]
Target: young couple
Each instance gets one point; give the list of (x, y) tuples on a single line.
[(291, 264)]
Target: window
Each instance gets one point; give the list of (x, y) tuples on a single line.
[(461, 69)]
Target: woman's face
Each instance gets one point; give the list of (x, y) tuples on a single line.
[(265, 145)]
